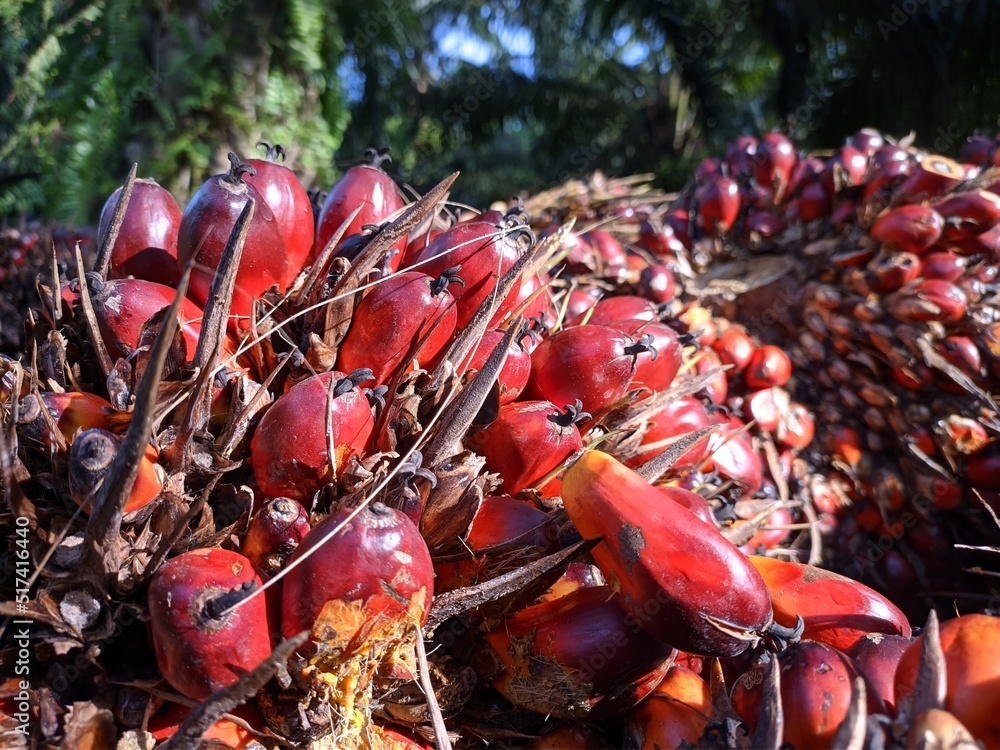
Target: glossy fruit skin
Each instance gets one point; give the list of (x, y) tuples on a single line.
[(719, 205), (877, 657), (837, 610), (776, 158), (516, 370), (681, 416), (659, 239), (769, 366), (391, 319), (568, 656), (526, 441), (610, 310), (690, 500), (485, 253), (586, 363), (911, 228), (657, 553), (274, 533), (654, 373), (208, 221), (199, 654), (735, 347), (378, 560), (370, 187), (969, 214), (657, 283), (148, 481), (147, 241), (288, 451), (932, 177), (292, 210), (70, 412), (677, 711), (731, 453), (971, 645), (166, 722), (607, 246)]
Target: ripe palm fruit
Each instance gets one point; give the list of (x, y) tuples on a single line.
[(274, 533), (676, 712), (90, 458), (678, 577), (146, 246), (70, 413), (205, 635)]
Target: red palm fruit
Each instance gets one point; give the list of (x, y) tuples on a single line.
[(881, 182), (977, 149), (659, 239), (938, 728), (916, 377), (590, 364), (147, 241), (731, 453), (123, 306), (607, 246), (718, 205), (911, 229), (290, 205), (577, 576), (377, 567), (581, 300), (70, 412), (485, 251), (846, 168), (889, 271), (368, 186), (274, 533), (516, 370), (932, 177), (735, 347), (837, 610), (208, 221), (968, 214), (679, 220), (569, 657), (805, 172), (867, 141), (288, 451), (570, 737), (797, 427), (718, 387), (943, 265), (817, 682), (877, 656), (767, 407), (811, 205), (708, 168), (204, 633), (971, 645), (931, 299), (690, 500), (90, 459), (165, 723), (398, 738), (674, 715), (741, 153), (710, 598), (416, 244), (611, 310), (679, 417), (656, 367), (657, 283), (527, 440), (766, 538), (757, 197), (499, 519), (986, 244), (396, 314), (764, 225), (769, 366), (776, 158), (846, 212), (887, 154)]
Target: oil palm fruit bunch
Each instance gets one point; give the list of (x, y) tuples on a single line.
[(562, 472)]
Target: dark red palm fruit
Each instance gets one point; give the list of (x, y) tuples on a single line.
[(679, 220), (887, 154), (968, 214), (982, 471), (90, 460), (986, 245), (916, 377), (771, 534), (568, 657), (70, 413), (764, 225), (377, 568), (675, 714), (500, 519), (590, 364), (735, 347), (867, 141), (147, 241), (166, 722), (516, 370), (288, 451), (610, 310), (718, 387), (837, 611), (931, 299), (846, 168), (486, 251), (805, 172), (741, 154), (911, 228), (797, 427), (655, 368), (416, 244), (396, 314), (659, 239), (776, 158), (971, 645), (712, 600), (690, 500), (536, 293), (607, 246), (845, 213), (580, 301), (290, 205), (679, 417), (708, 169), (977, 149), (882, 182), (578, 575), (731, 453), (123, 306), (877, 657), (811, 205), (208, 221), (274, 533), (962, 352), (366, 185), (769, 366), (932, 177), (657, 283), (943, 265), (206, 632), (757, 197), (718, 205), (527, 440), (817, 682)]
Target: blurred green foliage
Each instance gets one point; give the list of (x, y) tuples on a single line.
[(518, 94)]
